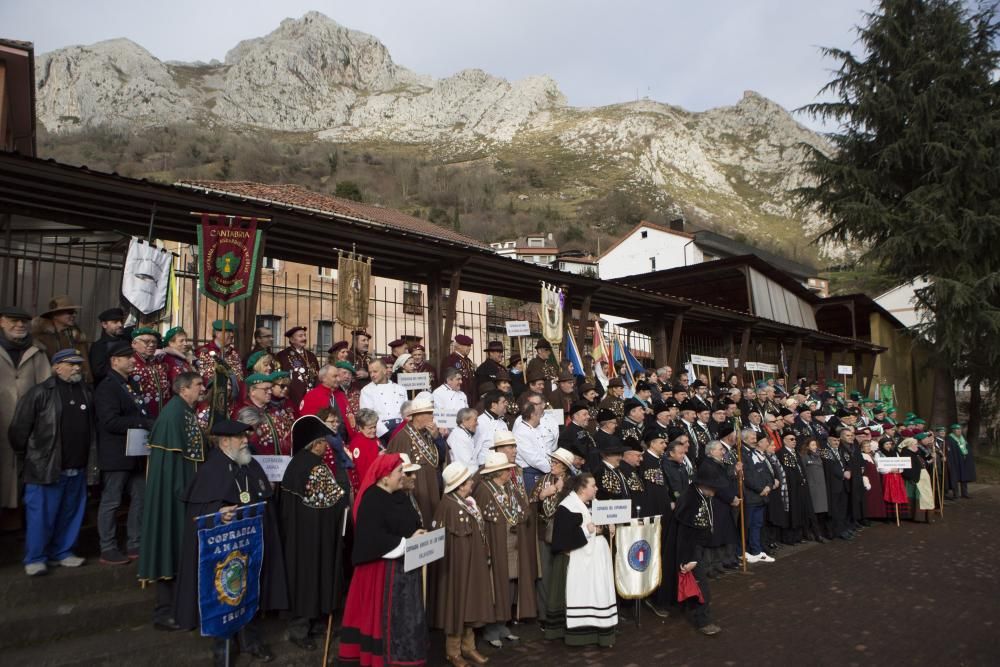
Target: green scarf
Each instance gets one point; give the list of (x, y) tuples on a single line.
[(962, 444)]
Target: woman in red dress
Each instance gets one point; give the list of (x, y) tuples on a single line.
[(874, 504), (384, 622), (893, 488)]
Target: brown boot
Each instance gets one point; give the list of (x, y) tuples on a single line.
[(469, 648), (453, 651)]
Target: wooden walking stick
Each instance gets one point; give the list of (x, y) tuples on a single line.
[(896, 505), (329, 634)]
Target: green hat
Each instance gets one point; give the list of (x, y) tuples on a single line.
[(173, 331), (279, 375), (911, 415), (954, 426), (855, 395), (346, 365), (923, 434), (868, 401), (255, 357), (257, 378), (144, 331), (219, 325), (918, 421), (940, 427)]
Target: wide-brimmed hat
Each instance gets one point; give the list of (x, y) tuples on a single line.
[(543, 344), (494, 346), (59, 303), (610, 446), (564, 456), (566, 376), (495, 462), (606, 415), (454, 475), (419, 405), (502, 438), (408, 465), (307, 430)]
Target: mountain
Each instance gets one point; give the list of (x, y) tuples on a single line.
[(730, 168)]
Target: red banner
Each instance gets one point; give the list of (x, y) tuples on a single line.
[(227, 252)]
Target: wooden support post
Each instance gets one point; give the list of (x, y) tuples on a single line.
[(581, 331), (744, 351), (661, 341), (828, 363), (869, 373), (434, 317), (796, 359), (449, 314), (675, 342)]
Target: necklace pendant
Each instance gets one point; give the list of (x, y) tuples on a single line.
[(244, 497)]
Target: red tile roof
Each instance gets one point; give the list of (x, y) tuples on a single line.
[(299, 197)]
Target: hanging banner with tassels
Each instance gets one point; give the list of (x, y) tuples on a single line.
[(638, 568), (146, 280), (552, 313), (227, 254), (354, 276)]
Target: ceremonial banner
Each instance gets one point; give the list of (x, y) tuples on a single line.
[(573, 354), (552, 314), (146, 278), (601, 352), (638, 569), (354, 276), (227, 257), (229, 562)]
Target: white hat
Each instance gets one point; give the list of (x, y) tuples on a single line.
[(403, 358), (564, 456), (409, 466), (419, 405), (454, 475), (495, 461), (503, 438)]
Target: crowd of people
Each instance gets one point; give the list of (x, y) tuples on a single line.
[(506, 456)]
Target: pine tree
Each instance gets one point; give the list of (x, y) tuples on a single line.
[(915, 172)]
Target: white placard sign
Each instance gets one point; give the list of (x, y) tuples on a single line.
[(714, 362), (893, 463), (137, 442), (274, 466), (445, 418), (760, 366), (415, 381), (604, 512), (423, 549), (554, 418), (845, 370), (518, 328)]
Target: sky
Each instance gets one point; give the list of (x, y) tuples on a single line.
[(697, 55)]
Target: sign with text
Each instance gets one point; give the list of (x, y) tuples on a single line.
[(604, 512), (518, 328), (845, 370), (554, 418), (414, 381), (137, 442), (893, 463), (714, 362), (274, 466), (760, 366), (423, 549), (445, 418)]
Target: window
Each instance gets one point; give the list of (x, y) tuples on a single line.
[(325, 272), (324, 336), (272, 322), (644, 234), (536, 242), (412, 299), (652, 264), (271, 263)]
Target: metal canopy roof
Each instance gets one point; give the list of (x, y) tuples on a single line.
[(78, 196)]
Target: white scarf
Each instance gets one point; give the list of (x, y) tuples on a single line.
[(574, 504)]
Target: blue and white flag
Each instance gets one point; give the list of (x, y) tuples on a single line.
[(573, 354)]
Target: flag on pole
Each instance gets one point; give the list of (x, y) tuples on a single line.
[(573, 354), (602, 352), (619, 355)]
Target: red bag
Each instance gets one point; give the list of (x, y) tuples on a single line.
[(687, 587)]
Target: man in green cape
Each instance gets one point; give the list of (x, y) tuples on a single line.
[(176, 447)]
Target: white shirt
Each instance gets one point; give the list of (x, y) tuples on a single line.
[(463, 449), (447, 399), (486, 426), (532, 446), (385, 399)]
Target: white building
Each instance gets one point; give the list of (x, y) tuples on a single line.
[(901, 301), (535, 249)]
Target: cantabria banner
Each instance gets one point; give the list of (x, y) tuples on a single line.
[(638, 561), (227, 251)]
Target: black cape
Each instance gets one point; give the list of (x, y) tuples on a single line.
[(689, 531), (214, 487), (314, 511)]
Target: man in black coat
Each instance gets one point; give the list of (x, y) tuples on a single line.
[(490, 368), (119, 409), (758, 482), (575, 437), (836, 489), (112, 332), (854, 471), (52, 431), (677, 469), (228, 478)]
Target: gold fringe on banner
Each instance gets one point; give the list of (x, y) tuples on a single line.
[(354, 274)]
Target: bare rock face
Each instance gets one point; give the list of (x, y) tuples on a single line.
[(734, 165)]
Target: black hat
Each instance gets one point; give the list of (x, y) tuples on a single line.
[(606, 415), (112, 314), (294, 330), (120, 349), (696, 384), (308, 429), (672, 402), (725, 428), (652, 434), (643, 386), (492, 346), (679, 387), (229, 427), (674, 432), (631, 404), (578, 406), (844, 413), (710, 474), (611, 445), (690, 405), (14, 313), (805, 407), (784, 412), (543, 344), (660, 406)]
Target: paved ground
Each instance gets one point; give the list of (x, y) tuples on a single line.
[(915, 595)]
